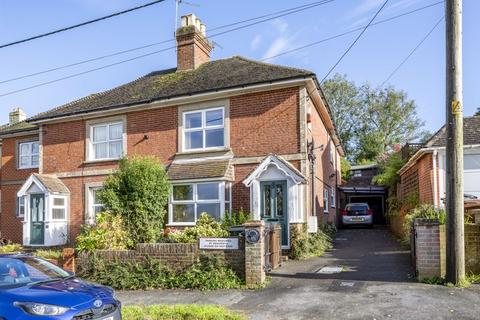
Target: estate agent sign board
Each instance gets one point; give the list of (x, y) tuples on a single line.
[(219, 243)]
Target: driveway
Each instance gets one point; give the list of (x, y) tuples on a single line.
[(375, 282)]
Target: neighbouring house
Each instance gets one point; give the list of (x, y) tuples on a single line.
[(233, 133), (422, 178), (360, 188)]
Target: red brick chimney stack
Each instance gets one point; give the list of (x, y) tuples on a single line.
[(193, 47)]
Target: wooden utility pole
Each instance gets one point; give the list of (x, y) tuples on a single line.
[(455, 272)]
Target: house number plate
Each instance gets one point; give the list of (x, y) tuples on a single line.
[(219, 243)]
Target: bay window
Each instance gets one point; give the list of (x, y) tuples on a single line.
[(28, 153), (204, 129), (188, 201)]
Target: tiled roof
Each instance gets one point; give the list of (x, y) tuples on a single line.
[(17, 127), (212, 76), (471, 133), (52, 183), (200, 170)]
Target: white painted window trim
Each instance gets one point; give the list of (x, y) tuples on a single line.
[(332, 197), (195, 201), (19, 204), (89, 145), (29, 155), (53, 206), (325, 200), (90, 217), (203, 129)]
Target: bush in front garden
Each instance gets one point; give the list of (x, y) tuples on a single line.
[(138, 192), (206, 227), (206, 274)]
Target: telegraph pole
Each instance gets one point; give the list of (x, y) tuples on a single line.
[(455, 272)]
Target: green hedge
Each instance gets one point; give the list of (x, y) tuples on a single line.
[(190, 312), (307, 245), (206, 274)]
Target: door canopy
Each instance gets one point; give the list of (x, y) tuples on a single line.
[(47, 183), (283, 165)]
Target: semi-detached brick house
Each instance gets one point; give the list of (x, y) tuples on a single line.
[(233, 133)]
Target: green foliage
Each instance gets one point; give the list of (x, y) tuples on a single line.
[(138, 192), (206, 274), (206, 227), (48, 253), (434, 280), (371, 120), (11, 248), (236, 219), (345, 168), (423, 211), (108, 233), (306, 245), (169, 312), (389, 168)]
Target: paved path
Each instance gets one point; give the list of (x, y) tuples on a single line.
[(376, 284)]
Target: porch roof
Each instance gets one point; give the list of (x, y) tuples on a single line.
[(207, 169), (47, 182)]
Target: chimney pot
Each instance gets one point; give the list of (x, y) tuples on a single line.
[(203, 29), (17, 115)]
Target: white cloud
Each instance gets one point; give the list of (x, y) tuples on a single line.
[(280, 25), (256, 42), (280, 44), (362, 13)]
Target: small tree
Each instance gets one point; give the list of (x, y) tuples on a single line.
[(138, 192)]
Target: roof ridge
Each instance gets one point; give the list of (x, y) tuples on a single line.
[(273, 64)]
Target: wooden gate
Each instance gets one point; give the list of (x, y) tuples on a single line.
[(273, 246)]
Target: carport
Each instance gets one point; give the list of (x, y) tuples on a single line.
[(375, 196)]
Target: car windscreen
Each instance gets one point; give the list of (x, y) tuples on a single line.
[(17, 271), (357, 209)]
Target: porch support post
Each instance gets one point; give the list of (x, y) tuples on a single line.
[(254, 254)]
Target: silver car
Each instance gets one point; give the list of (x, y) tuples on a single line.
[(357, 214)]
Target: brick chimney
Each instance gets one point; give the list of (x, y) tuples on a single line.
[(17, 115), (193, 47)]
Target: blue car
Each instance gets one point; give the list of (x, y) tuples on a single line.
[(32, 288)]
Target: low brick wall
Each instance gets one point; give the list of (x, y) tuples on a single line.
[(178, 256), (430, 248)]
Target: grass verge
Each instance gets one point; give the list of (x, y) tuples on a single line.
[(180, 312)]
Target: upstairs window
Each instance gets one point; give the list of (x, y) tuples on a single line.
[(204, 129), (28, 155), (106, 141)]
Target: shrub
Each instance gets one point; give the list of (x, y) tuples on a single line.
[(138, 192), (206, 274), (306, 245), (11, 248), (236, 219), (48, 254), (107, 233), (206, 227), (168, 312), (425, 211)]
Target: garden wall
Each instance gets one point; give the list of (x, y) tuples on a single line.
[(430, 249)]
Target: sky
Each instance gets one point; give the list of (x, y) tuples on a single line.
[(372, 59)]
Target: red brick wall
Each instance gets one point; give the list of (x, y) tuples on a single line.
[(9, 161), (11, 226), (265, 122)]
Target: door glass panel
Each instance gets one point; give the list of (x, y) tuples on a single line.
[(266, 201), (279, 198)]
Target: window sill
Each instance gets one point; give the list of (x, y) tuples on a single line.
[(100, 161), (27, 168), (181, 224), (203, 151)]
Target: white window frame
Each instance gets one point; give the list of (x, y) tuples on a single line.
[(325, 200), (19, 205), (30, 154), (203, 129), (91, 143), (357, 173), (332, 157), (64, 207), (195, 201), (332, 197)]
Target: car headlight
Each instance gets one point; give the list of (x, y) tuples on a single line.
[(41, 309)]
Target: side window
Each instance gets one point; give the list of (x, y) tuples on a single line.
[(20, 207), (59, 208)]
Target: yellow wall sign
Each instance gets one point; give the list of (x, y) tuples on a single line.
[(456, 107)]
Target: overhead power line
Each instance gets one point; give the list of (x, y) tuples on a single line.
[(413, 51), (80, 24), (272, 16), (172, 47), (354, 41), (311, 44)]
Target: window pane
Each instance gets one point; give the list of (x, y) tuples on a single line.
[(183, 192), (100, 133), (116, 149), (194, 140), (214, 138), (212, 209), (193, 120), (98, 209), (35, 148), (207, 191), (227, 191), (116, 131), (266, 200), (95, 196), (471, 161), (101, 150), (34, 160), (183, 213), (24, 161), (214, 118), (58, 201), (58, 213), (24, 149)]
